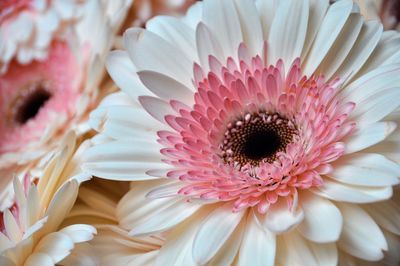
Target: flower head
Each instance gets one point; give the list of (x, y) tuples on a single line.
[(254, 133), (44, 97), (31, 231), (254, 138)]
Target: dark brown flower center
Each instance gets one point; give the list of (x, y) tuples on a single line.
[(256, 138), (28, 104)]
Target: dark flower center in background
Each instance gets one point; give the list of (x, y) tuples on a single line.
[(28, 104)]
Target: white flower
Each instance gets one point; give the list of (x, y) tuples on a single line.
[(32, 232), (264, 134)]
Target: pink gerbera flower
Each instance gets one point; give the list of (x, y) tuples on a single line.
[(44, 90), (256, 139), (41, 98)]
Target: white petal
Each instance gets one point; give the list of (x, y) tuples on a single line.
[(228, 252), (35, 227), (279, 218), (22, 28), (288, 31), (354, 194), (214, 232), (142, 215), (156, 107), (317, 12), (342, 46), (391, 145), (177, 249), (223, 21), (166, 88), (251, 26), (331, 26), (376, 107), (367, 41), (123, 159), (258, 245), (368, 135), (5, 243), (371, 83), (64, 9), (295, 250), (176, 33), (361, 236), (207, 44), (123, 72), (389, 148), (79, 232), (46, 24), (386, 213), (38, 258), (322, 219), (56, 245), (163, 218), (60, 205), (144, 49), (136, 197), (366, 169), (118, 98), (386, 52), (147, 258), (124, 122), (11, 227), (19, 192), (266, 10), (193, 14), (168, 190)]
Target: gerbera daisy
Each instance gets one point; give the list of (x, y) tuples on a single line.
[(31, 231), (261, 135), (41, 100)]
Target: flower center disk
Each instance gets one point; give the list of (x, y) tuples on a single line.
[(28, 105), (32, 105), (256, 138)]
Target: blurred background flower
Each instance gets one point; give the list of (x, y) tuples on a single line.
[(31, 232), (52, 53)]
